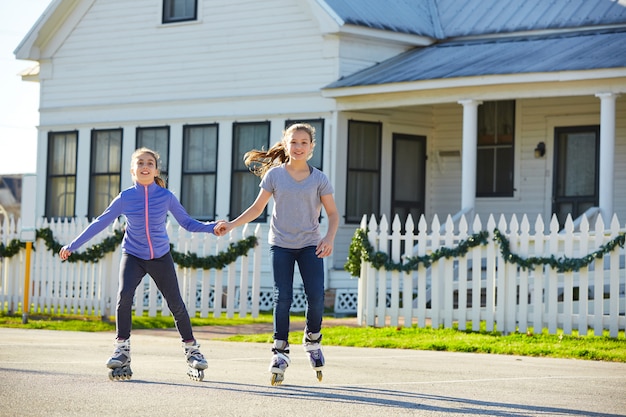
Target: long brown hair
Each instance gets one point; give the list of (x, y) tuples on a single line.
[(260, 161), (157, 159)]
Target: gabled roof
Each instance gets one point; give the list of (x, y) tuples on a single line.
[(570, 52), (445, 19)]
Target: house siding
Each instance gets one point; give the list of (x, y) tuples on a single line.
[(114, 58)]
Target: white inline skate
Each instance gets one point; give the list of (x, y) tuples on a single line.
[(280, 361), (313, 349), (195, 360), (119, 363)]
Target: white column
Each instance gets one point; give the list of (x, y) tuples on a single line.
[(607, 152), (468, 161)]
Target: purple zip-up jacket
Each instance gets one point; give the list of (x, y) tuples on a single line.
[(145, 208)]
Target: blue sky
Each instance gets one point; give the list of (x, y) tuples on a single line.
[(19, 100)]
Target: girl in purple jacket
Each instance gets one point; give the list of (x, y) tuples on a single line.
[(146, 250)]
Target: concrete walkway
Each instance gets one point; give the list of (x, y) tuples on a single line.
[(52, 373)]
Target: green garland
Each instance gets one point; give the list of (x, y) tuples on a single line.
[(562, 264), (98, 251), (361, 250)]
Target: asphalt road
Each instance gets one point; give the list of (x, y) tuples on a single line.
[(50, 373)]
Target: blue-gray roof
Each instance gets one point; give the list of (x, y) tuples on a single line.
[(572, 52), (445, 19)]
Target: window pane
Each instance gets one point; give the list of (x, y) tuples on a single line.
[(106, 155), (199, 196), (484, 171), (244, 184), (494, 174), (504, 170), (61, 197), (363, 182), (179, 10), (200, 149), (364, 146), (579, 150), (200, 170), (61, 180), (363, 195), (106, 187)]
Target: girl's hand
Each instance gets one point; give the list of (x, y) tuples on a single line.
[(64, 253), (221, 228), (324, 248)]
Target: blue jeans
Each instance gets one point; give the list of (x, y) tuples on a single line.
[(312, 271), (132, 271)]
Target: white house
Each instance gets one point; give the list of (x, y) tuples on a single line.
[(428, 107)]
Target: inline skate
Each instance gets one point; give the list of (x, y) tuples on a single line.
[(195, 360), (280, 361), (313, 349), (119, 363)]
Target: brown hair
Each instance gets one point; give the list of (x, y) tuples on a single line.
[(159, 181), (259, 162)]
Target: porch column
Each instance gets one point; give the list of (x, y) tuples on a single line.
[(607, 152), (468, 160)]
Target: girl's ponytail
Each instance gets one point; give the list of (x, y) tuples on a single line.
[(159, 181)]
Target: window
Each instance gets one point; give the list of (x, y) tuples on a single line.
[(363, 188), (245, 185), (61, 179), (179, 10), (106, 156), (200, 171), (318, 153), (494, 165), (157, 139)]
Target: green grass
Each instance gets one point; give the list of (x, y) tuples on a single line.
[(602, 348)]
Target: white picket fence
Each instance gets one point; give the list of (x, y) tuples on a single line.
[(88, 288), (481, 286)]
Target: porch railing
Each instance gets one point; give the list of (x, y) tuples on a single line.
[(509, 275)]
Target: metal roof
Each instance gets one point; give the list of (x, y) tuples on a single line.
[(404, 16), (444, 19), (571, 52)]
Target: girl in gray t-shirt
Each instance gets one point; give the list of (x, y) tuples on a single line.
[(299, 192)]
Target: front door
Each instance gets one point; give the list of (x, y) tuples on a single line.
[(576, 156), (409, 176)]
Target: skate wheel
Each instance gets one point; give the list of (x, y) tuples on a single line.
[(277, 379), (123, 373), (319, 375), (195, 374)]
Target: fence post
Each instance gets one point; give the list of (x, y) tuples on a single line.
[(29, 199)]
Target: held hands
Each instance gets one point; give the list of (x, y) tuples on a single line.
[(64, 253), (222, 228), (324, 248)]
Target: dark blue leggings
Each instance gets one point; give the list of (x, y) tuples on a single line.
[(132, 271)]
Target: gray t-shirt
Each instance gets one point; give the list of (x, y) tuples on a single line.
[(297, 207)]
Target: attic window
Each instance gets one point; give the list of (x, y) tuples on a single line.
[(179, 10)]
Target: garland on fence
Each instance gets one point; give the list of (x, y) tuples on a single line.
[(98, 251), (562, 264), (361, 250)]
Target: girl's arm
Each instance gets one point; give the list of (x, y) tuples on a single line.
[(325, 246), (186, 221), (248, 215), (107, 217)]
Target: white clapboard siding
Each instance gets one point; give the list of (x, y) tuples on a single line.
[(482, 287), (133, 52)]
